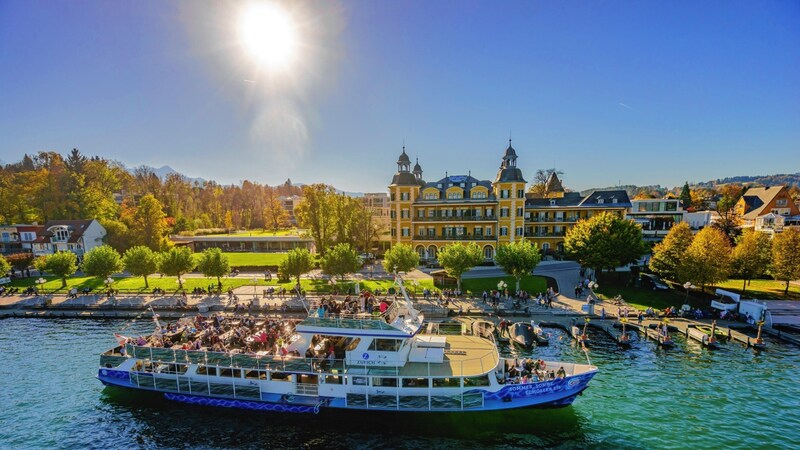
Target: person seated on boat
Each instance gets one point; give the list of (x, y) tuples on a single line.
[(551, 375), (561, 373)]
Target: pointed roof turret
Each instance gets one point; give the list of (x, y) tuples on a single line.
[(417, 170), (404, 159), (508, 168)]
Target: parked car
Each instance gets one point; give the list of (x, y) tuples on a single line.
[(651, 281)]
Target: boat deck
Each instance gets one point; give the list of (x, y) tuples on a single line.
[(463, 356)]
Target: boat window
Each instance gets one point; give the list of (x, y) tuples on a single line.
[(256, 374), (386, 345), (333, 379), (280, 376), (446, 382), (415, 382), (476, 381), (384, 382), (179, 369), (352, 343), (205, 370), (359, 381), (229, 373)]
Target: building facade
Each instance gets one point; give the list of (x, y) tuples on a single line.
[(463, 208), (768, 209), (377, 203), (76, 236), (656, 216)]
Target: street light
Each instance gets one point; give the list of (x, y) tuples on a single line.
[(255, 280), (41, 281), (688, 285), (593, 285)]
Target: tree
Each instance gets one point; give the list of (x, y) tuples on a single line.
[(275, 217), (316, 213), (518, 259), (686, 195), (729, 221), (751, 256), (4, 266), (214, 263), (147, 225), (400, 257), (20, 261), (176, 262), (668, 255), (708, 258), (297, 262), (61, 264), (140, 261), (341, 260), (459, 258), (605, 241), (117, 234), (101, 262), (786, 257)]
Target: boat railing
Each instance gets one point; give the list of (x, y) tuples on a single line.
[(480, 364)]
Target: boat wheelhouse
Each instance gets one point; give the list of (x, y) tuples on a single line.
[(371, 361)]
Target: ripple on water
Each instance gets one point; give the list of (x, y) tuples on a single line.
[(642, 398)]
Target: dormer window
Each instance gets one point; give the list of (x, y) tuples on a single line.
[(439, 185), (552, 202), (613, 200), (599, 200)]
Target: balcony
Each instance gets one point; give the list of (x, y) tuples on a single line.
[(537, 234), (463, 237), (571, 219), (456, 218)]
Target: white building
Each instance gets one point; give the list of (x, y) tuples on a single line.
[(76, 236)]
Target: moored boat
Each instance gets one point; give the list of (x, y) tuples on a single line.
[(522, 334), (361, 360)]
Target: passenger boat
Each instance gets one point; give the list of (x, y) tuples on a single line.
[(379, 361)]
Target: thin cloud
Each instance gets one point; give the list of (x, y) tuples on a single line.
[(625, 106)]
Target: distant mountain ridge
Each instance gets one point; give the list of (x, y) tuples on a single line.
[(164, 171)]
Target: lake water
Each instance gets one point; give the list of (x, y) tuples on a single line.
[(687, 397)]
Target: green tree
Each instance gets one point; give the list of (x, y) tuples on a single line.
[(297, 262), (686, 195), (668, 255), (214, 263), (140, 261), (315, 212), (518, 259), (605, 241), (459, 258), (751, 256), (101, 262), (708, 258), (61, 264), (786, 257), (176, 262), (341, 260), (400, 257), (4, 266), (117, 234)]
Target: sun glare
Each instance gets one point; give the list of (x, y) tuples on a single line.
[(267, 32)]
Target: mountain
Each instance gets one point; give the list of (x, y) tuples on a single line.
[(163, 171)]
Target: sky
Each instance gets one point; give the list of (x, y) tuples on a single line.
[(609, 92)]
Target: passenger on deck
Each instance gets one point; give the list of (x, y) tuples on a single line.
[(561, 373)]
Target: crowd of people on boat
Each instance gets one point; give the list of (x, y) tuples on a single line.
[(217, 333), (523, 371)]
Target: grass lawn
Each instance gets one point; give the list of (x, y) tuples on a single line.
[(762, 289), (610, 285), (170, 284), (242, 259)]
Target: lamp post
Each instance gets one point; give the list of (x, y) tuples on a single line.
[(255, 280), (41, 281), (688, 285)]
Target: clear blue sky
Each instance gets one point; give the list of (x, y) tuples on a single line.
[(633, 92)]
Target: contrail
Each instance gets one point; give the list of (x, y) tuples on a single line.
[(249, 81), (625, 106)]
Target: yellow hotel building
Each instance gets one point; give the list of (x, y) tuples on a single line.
[(462, 208)]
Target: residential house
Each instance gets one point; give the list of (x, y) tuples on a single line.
[(76, 236), (767, 209)]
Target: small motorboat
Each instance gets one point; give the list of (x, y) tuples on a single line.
[(713, 331), (539, 335), (705, 339), (484, 329), (522, 334)]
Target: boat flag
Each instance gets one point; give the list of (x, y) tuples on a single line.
[(121, 340)]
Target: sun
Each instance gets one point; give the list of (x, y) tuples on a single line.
[(267, 32)]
